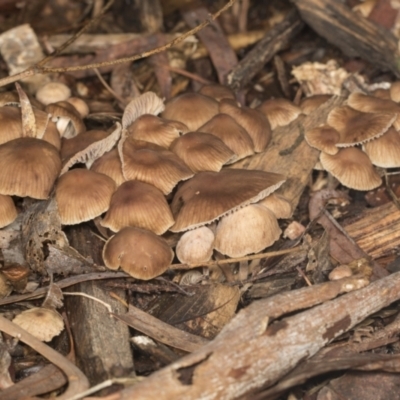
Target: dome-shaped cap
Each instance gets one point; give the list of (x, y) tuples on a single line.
[(202, 151), (248, 230), (210, 195), (138, 204), (323, 138), (384, 151), (140, 253), (28, 168), (253, 121), (153, 164), (352, 168), (231, 133), (195, 246), (356, 127), (110, 164), (280, 112), (193, 109), (8, 211), (156, 130), (82, 195)]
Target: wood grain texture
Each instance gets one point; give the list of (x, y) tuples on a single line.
[(354, 35)]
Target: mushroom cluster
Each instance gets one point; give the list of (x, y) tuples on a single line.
[(361, 134), (148, 175)]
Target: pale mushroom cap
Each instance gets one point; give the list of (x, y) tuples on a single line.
[(28, 168), (323, 138), (193, 109), (218, 92), (156, 130), (356, 127), (385, 151), (82, 195), (231, 133), (80, 106), (140, 253), (395, 91), (195, 246), (110, 164), (8, 211), (43, 323), (138, 204), (309, 104), (352, 168), (248, 230), (52, 92), (340, 272), (280, 112), (202, 151), (279, 205), (153, 165), (253, 121), (210, 195)]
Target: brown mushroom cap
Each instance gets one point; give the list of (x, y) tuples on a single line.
[(385, 151), (156, 130), (352, 168), (248, 230), (153, 164), (372, 104), (202, 151), (356, 127), (110, 164), (231, 133), (140, 253), (309, 104), (82, 195), (8, 211), (28, 168), (43, 323), (253, 121), (280, 112), (138, 204), (210, 195), (218, 92), (76, 144), (323, 138), (10, 123), (193, 109), (195, 246)]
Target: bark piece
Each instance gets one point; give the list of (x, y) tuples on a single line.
[(161, 331), (355, 36), (213, 38), (102, 343), (233, 364), (376, 230), (273, 42)]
